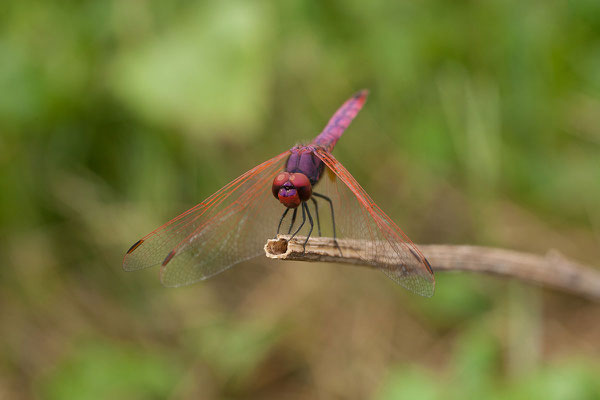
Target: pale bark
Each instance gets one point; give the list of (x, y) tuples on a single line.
[(551, 270)]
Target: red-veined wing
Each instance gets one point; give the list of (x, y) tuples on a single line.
[(229, 227), (358, 217)]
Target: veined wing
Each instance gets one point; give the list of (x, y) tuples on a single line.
[(228, 227), (358, 217)]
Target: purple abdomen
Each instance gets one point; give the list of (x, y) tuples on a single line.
[(340, 121), (302, 158)]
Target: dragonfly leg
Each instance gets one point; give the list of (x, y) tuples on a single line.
[(302, 224), (332, 218), (317, 212), (310, 220), (293, 220), (281, 220)]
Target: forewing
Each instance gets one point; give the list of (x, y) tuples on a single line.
[(358, 217), (228, 227)]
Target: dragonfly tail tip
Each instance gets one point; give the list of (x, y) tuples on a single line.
[(362, 94)]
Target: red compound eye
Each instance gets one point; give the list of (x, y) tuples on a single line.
[(278, 182), (302, 184)]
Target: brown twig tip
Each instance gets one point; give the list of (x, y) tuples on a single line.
[(552, 270), (275, 248)]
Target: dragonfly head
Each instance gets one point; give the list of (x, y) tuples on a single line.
[(291, 189)]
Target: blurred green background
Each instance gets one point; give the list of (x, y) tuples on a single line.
[(483, 127)]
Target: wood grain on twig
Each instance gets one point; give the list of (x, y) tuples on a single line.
[(551, 270)]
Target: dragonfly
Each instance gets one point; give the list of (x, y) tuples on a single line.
[(232, 225)]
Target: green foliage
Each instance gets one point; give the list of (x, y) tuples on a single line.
[(233, 349), (482, 127), (458, 299), (476, 376), (410, 384), (182, 79), (574, 379), (99, 370)]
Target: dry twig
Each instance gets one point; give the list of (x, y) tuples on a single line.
[(552, 270)]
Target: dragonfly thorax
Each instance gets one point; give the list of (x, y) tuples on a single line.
[(291, 189)]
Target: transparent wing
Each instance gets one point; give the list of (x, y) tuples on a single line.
[(358, 217), (230, 226)]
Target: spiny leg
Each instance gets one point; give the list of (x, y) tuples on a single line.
[(293, 220), (301, 225), (317, 213), (311, 226), (332, 218), (281, 220)]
